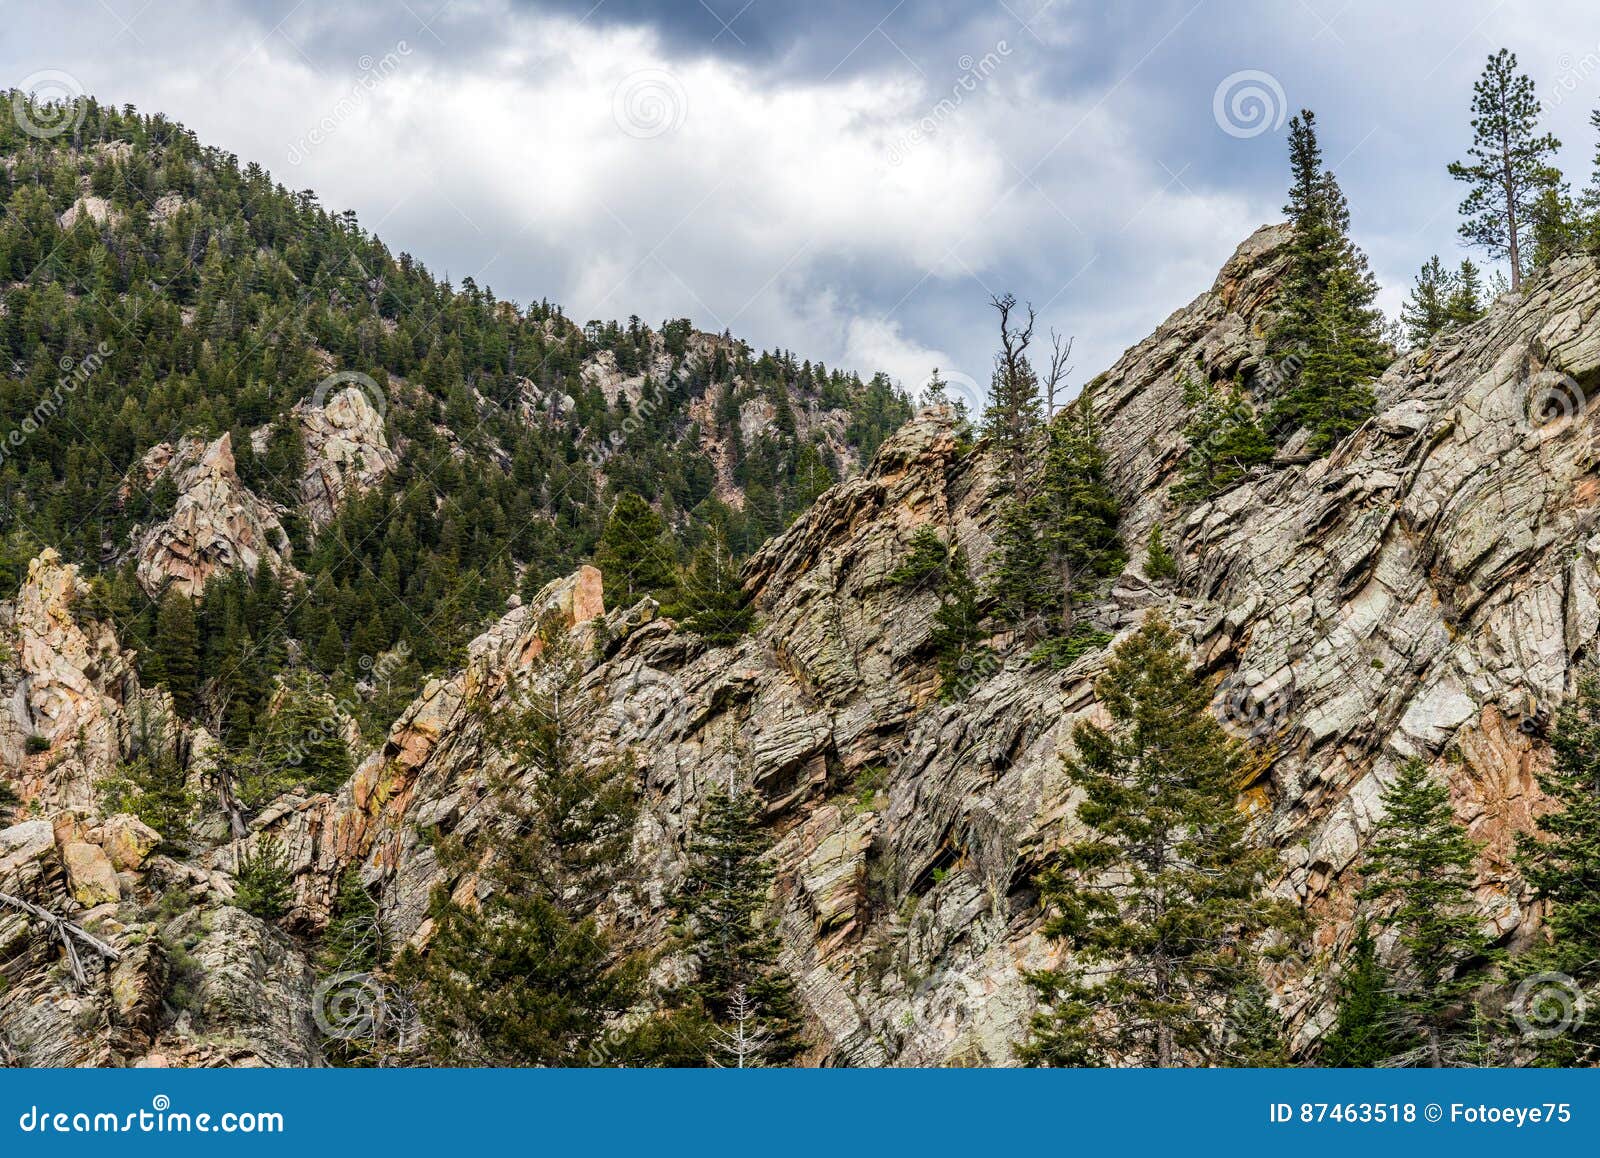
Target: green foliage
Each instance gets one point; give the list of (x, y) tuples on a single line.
[(1560, 862), (1058, 539), (634, 553), (528, 976), (1326, 320), (1159, 563), (1253, 1035), (224, 315), (721, 903), (265, 888), (1427, 311), (1225, 441), (178, 650), (1419, 872), (1509, 168), (926, 564), (36, 744), (958, 636), (711, 600), (1366, 1031), (1161, 899), (1466, 298), (1557, 227), (152, 784)]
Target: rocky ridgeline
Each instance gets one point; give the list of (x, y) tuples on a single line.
[(1425, 590)]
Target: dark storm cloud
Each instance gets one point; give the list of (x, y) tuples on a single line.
[(830, 177)]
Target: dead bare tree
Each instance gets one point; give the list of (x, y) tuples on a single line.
[(66, 930), (1058, 372)]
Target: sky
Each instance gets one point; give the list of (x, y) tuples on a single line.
[(847, 179)]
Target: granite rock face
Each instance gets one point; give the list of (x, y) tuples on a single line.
[(217, 523), (1425, 590), (347, 452)]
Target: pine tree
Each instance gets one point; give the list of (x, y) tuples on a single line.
[(1078, 510), (178, 645), (1334, 395), (633, 553), (1159, 562), (1419, 872), (1561, 863), (1590, 202), (528, 976), (711, 601), (1161, 900), (1252, 1035), (1466, 297), (1555, 226), (1225, 441), (1014, 416), (264, 887), (927, 566), (957, 636), (721, 901), (1326, 321), (1509, 167), (1427, 311), (1366, 1030)]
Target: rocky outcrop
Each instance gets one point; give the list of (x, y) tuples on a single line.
[(66, 687), (217, 524), (347, 452), (1428, 590)]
